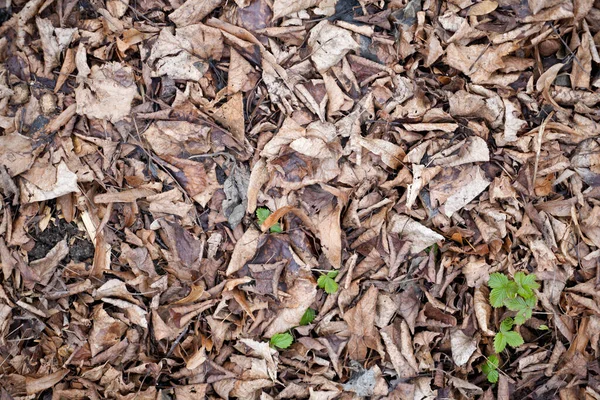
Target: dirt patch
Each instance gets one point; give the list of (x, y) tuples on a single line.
[(80, 248)]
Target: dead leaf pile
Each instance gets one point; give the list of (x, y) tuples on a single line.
[(399, 153)]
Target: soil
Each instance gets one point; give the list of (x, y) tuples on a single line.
[(80, 248)]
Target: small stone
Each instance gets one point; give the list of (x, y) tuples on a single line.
[(48, 103)]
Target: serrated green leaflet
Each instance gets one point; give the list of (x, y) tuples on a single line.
[(281, 340), (308, 317), (499, 342), (327, 283), (515, 304), (333, 273), (262, 214), (491, 364), (497, 280), (513, 338), (494, 360), (493, 376), (506, 325)]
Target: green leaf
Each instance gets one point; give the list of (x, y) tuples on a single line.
[(543, 327), (531, 301), (327, 283), (493, 360), (506, 325), (308, 317), (498, 280), (520, 318), (513, 338), (499, 342), (497, 297), (276, 228), (281, 340), (333, 273), (490, 364), (516, 304), (526, 284), (486, 369), (493, 376), (262, 213)]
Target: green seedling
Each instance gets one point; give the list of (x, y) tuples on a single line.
[(507, 336), (327, 282), (490, 368), (516, 295), (308, 317), (281, 340), (262, 214)]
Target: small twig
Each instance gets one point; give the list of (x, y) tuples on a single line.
[(479, 57)]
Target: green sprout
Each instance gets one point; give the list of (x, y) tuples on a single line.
[(308, 317), (262, 214), (516, 295), (281, 340), (490, 368), (327, 282)]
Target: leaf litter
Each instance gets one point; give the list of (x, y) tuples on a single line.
[(299, 199)]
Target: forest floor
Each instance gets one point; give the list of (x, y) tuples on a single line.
[(281, 199)]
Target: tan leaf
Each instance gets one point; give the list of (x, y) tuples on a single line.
[(56, 182), (231, 115), (193, 11), (302, 295), (483, 310), (330, 233), (361, 323), (242, 75), (36, 385), (420, 236), (329, 44), (109, 84), (281, 8), (244, 250), (16, 153), (462, 346), (483, 8), (391, 154)]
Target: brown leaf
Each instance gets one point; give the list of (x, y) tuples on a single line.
[(361, 323)]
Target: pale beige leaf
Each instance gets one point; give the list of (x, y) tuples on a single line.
[(244, 250), (419, 235), (330, 233), (126, 196), (281, 8), (231, 115), (329, 44), (63, 181), (36, 385), (483, 310), (547, 78), (108, 85), (462, 346), (242, 76), (193, 11), (391, 154), (473, 184), (258, 177), (483, 8)]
